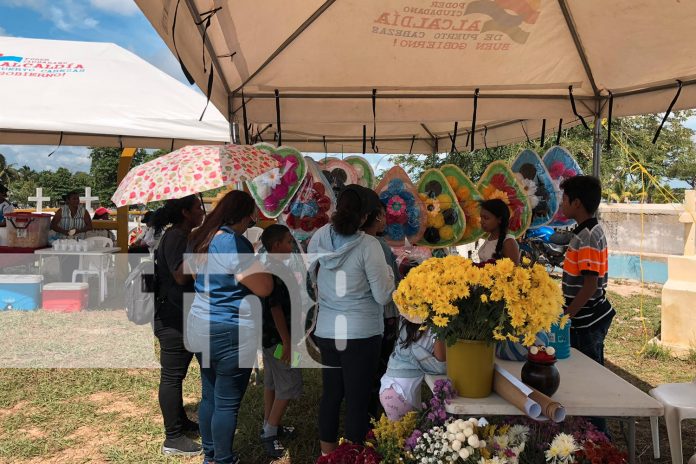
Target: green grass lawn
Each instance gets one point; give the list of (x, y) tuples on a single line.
[(112, 415)]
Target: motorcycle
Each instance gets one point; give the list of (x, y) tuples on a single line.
[(545, 245)]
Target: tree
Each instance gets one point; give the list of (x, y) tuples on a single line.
[(56, 184), (22, 190), (104, 170), (25, 173), (7, 171), (683, 167), (673, 156)]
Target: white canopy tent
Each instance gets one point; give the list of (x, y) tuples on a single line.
[(425, 61), (97, 94)]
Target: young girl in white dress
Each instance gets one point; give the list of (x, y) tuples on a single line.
[(495, 218)]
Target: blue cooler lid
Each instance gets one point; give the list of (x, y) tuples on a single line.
[(20, 279)]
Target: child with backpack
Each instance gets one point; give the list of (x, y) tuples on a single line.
[(282, 382), (415, 354)]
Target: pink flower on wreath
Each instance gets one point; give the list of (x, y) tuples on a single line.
[(270, 203), (396, 206), (280, 191), (557, 169), (290, 177)]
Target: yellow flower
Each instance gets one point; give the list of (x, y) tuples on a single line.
[(524, 300), (436, 220), (564, 320), (446, 233), (490, 193), (445, 201), (431, 205)]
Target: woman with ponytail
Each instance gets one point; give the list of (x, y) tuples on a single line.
[(495, 218), (182, 215), (354, 283), (221, 325)]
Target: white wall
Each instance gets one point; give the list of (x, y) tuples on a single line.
[(662, 232)]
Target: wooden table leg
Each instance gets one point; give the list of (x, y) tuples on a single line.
[(631, 440)]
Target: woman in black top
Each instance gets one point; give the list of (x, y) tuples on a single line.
[(184, 215)]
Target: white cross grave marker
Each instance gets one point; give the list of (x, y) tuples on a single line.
[(88, 199), (39, 199)]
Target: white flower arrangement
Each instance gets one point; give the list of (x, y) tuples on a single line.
[(463, 441), (562, 449), (434, 447)]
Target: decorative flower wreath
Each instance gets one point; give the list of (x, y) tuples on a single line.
[(441, 218), (468, 204), (403, 215), (500, 189), (560, 172), (311, 207), (280, 181)]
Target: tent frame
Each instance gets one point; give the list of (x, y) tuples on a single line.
[(598, 99)]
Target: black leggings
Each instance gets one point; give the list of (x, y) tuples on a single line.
[(175, 360), (349, 374)]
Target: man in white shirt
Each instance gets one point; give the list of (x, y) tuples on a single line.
[(5, 205)]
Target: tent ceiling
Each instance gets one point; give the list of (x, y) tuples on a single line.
[(80, 93), (425, 59)]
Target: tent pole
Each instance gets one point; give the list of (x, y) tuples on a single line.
[(234, 132), (597, 150), (124, 163)]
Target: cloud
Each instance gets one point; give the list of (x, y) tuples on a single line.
[(4, 33), (36, 157), (119, 7), (65, 15)]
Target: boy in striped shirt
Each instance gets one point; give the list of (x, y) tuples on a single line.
[(585, 269)]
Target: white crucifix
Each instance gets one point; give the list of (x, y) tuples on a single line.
[(39, 199), (88, 199)]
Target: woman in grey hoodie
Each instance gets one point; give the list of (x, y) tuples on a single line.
[(354, 283)]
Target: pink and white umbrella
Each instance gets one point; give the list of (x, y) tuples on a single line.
[(189, 170)]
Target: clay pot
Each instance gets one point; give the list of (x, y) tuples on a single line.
[(542, 376)]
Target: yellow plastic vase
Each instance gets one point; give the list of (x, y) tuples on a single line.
[(470, 366)]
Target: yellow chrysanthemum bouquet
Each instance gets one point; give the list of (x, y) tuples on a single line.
[(457, 299)]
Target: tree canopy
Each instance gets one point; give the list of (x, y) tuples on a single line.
[(673, 157), (102, 177)]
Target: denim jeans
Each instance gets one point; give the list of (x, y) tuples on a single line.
[(224, 383), (590, 342)]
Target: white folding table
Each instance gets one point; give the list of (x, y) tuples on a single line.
[(587, 389)]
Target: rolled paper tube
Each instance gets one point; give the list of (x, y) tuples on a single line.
[(551, 409), (511, 391)]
